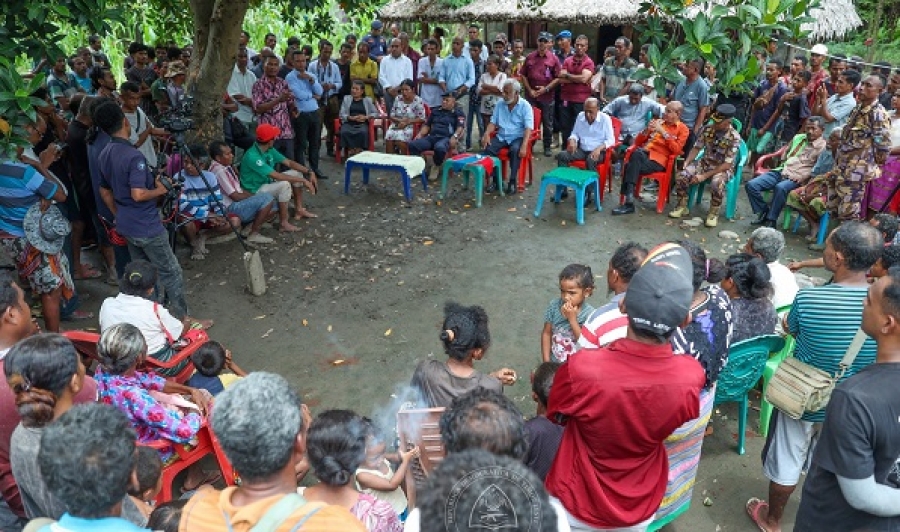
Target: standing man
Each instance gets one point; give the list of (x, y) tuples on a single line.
[(767, 96), (474, 33), (441, 131), (394, 68), (719, 143), (517, 59), (409, 52), (377, 44), (853, 480), (575, 84), (563, 51), (62, 85), (458, 73), (307, 125), (635, 111), (273, 103), (616, 71), (865, 145), (515, 122), (329, 76), (823, 319), (817, 70), (131, 191), (240, 88), (540, 75), (836, 109), (82, 75), (143, 74), (474, 114), (836, 65), (429, 73), (693, 93), (611, 469), (97, 54)]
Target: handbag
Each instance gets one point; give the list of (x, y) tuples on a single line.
[(797, 387)]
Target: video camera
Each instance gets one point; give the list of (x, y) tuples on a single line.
[(178, 119)]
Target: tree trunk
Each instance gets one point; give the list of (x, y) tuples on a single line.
[(218, 29), (873, 31)]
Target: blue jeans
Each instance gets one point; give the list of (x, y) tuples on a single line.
[(780, 188), (514, 146), (158, 252), (246, 209), (473, 112)]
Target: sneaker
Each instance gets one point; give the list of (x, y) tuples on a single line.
[(712, 220), (650, 186), (256, 238), (627, 208), (511, 188), (679, 212)]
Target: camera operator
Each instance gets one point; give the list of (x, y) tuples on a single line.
[(131, 192)]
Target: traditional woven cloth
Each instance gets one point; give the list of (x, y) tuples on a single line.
[(414, 165)]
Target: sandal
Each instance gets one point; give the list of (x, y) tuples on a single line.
[(201, 324), (211, 478), (88, 272), (78, 315), (752, 507)]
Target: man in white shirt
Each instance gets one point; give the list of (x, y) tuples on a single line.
[(240, 88), (394, 68), (592, 134), (429, 71)]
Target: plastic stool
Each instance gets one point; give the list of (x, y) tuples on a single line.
[(574, 178), (470, 165)]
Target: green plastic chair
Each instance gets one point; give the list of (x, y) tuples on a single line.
[(732, 188), (765, 408), (746, 362)]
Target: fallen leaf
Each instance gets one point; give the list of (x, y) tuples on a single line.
[(388, 332), (338, 362), (511, 209), (329, 328), (260, 317), (563, 222), (305, 323), (428, 242), (267, 333)]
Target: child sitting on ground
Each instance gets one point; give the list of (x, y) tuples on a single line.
[(565, 315), (210, 359), (148, 470), (543, 435), (377, 477), (890, 256)]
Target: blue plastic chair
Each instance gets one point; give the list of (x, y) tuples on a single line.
[(732, 188), (746, 362)]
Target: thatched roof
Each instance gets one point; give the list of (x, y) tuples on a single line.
[(835, 17)]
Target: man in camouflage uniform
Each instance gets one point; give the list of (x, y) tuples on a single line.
[(720, 143), (865, 144)]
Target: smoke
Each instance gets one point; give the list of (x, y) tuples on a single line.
[(405, 397)]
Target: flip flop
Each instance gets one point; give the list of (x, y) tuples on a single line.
[(92, 273), (752, 507), (211, 478)]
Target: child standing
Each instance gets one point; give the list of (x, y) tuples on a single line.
[(543, 435), (565, 315), (377, 477)]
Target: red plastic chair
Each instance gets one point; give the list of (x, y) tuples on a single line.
[(338, 151), (664, 178), (417, 127), (85, 343), (527, 162), (773, 159), (187, 456), (604, 169)]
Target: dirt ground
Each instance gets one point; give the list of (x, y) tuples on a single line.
[(356, 299)]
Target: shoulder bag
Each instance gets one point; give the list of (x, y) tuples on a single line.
[(797, 388)]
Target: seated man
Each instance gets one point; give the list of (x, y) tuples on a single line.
[(796, 171), (200, 202), (591, 135), (720, 143), (514, 119), (258, 174), (611, 469), (662, 139), (261, 426), (87, 459), (254, 209), (441, 132), (633, 110)]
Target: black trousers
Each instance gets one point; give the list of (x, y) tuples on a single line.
[(308, 139), (568, 112), (639, 164)]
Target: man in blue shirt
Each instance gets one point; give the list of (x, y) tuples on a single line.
[(458, 74), (307, 124), (763, 121), (514, 119), (376, 41), (130, 191), (328, 74), (441, 131)]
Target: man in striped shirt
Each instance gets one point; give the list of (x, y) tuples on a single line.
[(823, 320), (607, 323)]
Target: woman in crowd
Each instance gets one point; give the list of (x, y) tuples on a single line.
[(466, 337), (408, 111), (748, 285), (356, 111), (140, 396), (336, 446), (490, 87), (880, 190), (135, 305), (45, 373)]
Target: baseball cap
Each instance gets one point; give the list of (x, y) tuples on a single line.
[(545, 36), (564, 34), (819, 49), (267, 133), (659, 296), (377, 24), (726, 111)]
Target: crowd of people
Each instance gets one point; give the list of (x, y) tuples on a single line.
[(622, 390)]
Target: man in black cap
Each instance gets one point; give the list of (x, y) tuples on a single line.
[(611, 468), (719, 143), (441, 132), (378, 47)]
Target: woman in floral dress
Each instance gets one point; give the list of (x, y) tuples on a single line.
[(408, 110)]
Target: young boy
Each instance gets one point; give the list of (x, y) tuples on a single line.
[(210, 360), (148, 470), (890, 256), (543, 435), (794, 107)]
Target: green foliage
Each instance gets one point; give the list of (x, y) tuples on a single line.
[(17, 108), (724, 33)]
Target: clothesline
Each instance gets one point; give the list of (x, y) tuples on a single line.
[(798, 47)]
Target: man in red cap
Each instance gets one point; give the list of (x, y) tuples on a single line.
[(258, 173)]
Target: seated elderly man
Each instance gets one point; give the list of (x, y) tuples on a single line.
[(261, 426), (633, 110), (719, 143), (796, 171), (768, 244), (659, 141), (591, 135), (515, 121), (441, 132), (87, 459)]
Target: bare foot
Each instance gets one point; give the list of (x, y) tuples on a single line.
[(303, 213), (287, 227)]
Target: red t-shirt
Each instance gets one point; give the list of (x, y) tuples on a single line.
[(9, 419), (620, 404), (540, 71), (576, 92)]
